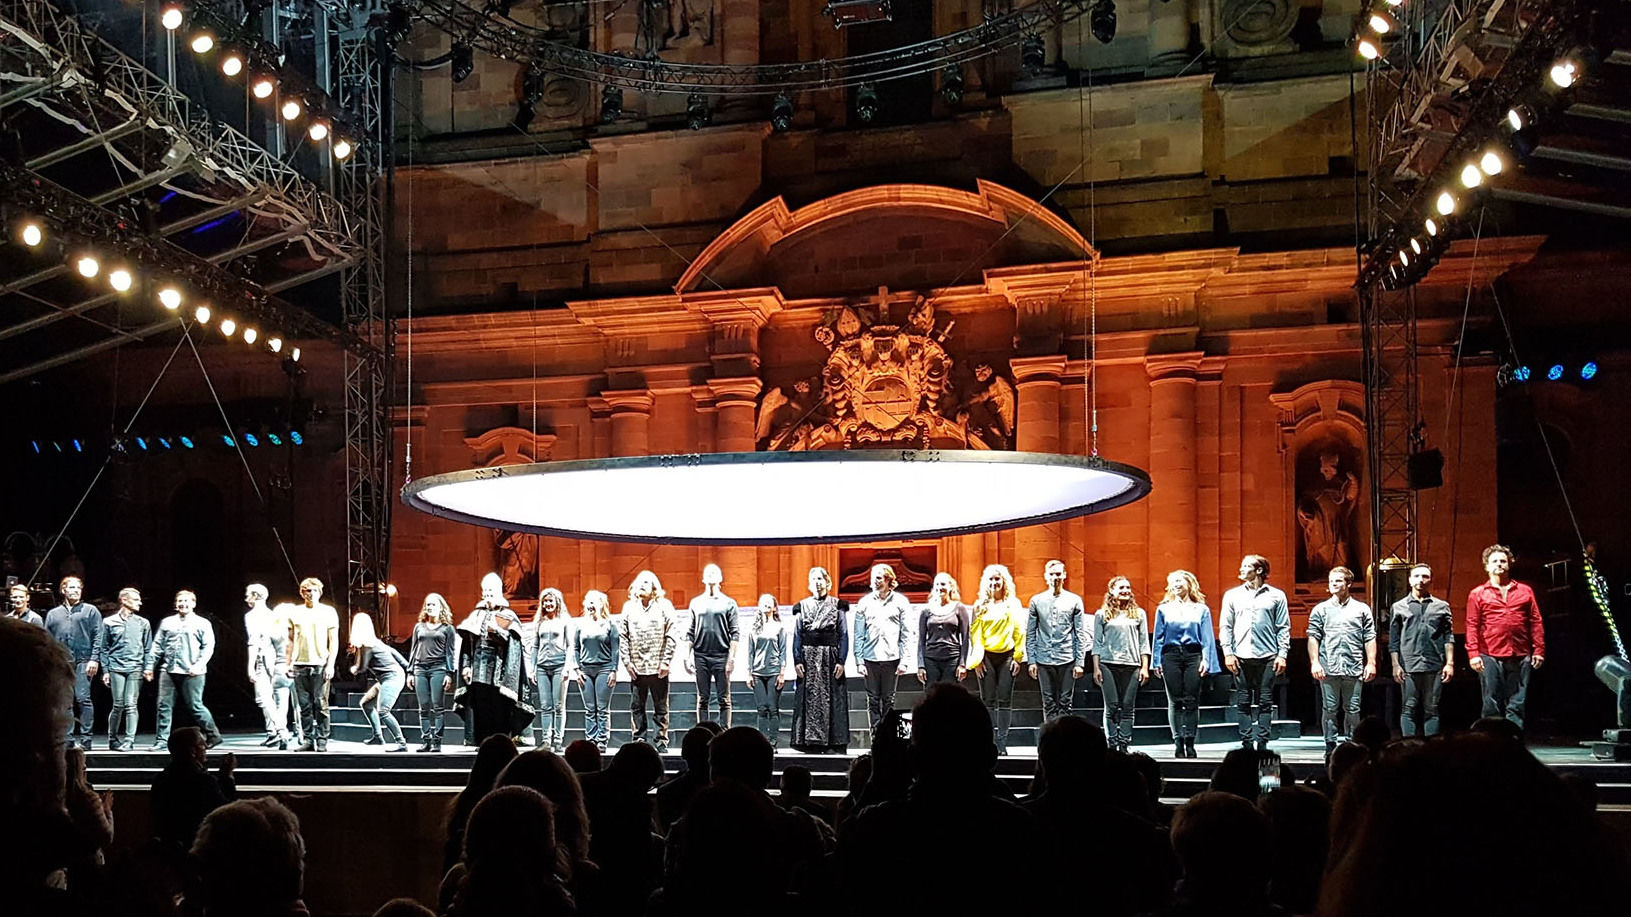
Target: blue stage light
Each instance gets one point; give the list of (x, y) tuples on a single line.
[(164, 441), (1521, 374), (36, 445), (1589, 371), (227, 440), (78, 446), (186, 442), (56, 445), (1556, 372), (274, 439), (141, 443), (251, 439), (296, 438)]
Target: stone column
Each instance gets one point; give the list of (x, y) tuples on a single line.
[(1173, 503), (1168, 37), (734, 405), (1037, 429), (631, 420)]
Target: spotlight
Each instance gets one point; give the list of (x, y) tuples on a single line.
[(317, 131), (1101, 21), (951, 84), (1430, 226), (249, 335), (1368, 49), (1564, 73), (1589, 371), (274, 439), (1555, 373), (252, 440), (296, 438), (120, 280), (228, 441), (697, 113), (1404, 257), (1470, 176), (1518, 117), (31, 234), (141, 443), (398, 23), (866, 102), (294, 354), (291, 109), (532, 89), (202, 314), (203, 42), (170, 297), (1445, 203), (1491, 163), (275, 344), (186, 442), (781, 113), (1522, 374), (232, 63), (464, 61), (1033, 54), (1381, 23), (164, 441), (1415, 246), (171, 17), (1394, 2), (87, 266), (227, 327), (342, 148), (611, 104), (263, 86), (79, 446)]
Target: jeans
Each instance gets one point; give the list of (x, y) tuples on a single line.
[(81, 712), (272, 697), (377, 706), (881, 678), (656, 686), (1339, 695), (1254, 684), (997, 691), (1058, 683), (190, 689), (1505, 683), (311, 690), (430, 687), (940, 669), (1120, 697), (596, 690), (552, 706), (1421, 692), (127, 689), (164, 709), (711, 674), (767, 699), (1181, 672)]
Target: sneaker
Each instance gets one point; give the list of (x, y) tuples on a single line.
[(425, 747), (159, 746), (662, 749), (373, 740), (116, 747), (322, 744), (85, 745), (400, 747)]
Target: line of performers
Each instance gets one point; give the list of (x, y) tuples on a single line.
[(503, 676)]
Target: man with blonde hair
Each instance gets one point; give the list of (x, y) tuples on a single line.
[(883, 641), (314, 642)]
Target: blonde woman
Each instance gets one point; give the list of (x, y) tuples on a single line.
[(389, 671), (770, 665), (551, 660), (942, 627), (431, 659), (996, 637), (1183, 651), (1121, 658), (595, 647)]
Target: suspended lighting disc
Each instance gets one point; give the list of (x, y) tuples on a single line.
[(780, 497)]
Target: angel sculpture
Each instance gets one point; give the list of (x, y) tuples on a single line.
[(991, 407)]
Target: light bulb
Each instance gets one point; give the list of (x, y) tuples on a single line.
[(203, 42), (1491, 163), (291, 109), (171, 18), (32, 235), (228, 326), (1368, 49), (202, 314), (1380, 24), (1415, 246), (317, 131), (1471, 177), (275, 344), (232, 64), (1404, 257), (1514, 119), (87, 266), (249, 335), (342, 148), (1432, 227), (262, 87), (120, 280), (1564, 73), (1445, 203), (170, 297), (294, 354)]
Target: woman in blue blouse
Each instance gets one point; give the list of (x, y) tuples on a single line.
[(1184, 649), (594, 652)]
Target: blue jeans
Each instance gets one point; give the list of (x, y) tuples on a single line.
[(1339, 697), (190, 690), (165, 707), (552, 705), (711, 675), (81, 712), (597, 703), (1505, 685), (127, 689), (430, 687), (1421, 693), (377, 704)]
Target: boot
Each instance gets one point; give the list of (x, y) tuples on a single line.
[(1005, 717), (1189, 747)]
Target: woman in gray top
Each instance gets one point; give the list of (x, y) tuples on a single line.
[(431, 658), (770, 665), (1121, 658), (551, 660), (942, 646), (390, 673)]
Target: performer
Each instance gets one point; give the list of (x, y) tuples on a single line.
[(997, 647), (551, 660), (820, 646), (164, 706), (431, 657), (1255, 633), (1422, 638), (595, 650), (491, 668), (268, 666), (942, 628), (1121, 658), (78, 627), (648, 632), (1058, 639), (1505, 638), (120, 654), (314, 638), (188, 642), (714, 640), (1341, 654), (390, 673), (881, 641), (770, 665), (17, 595), (1184, 650)]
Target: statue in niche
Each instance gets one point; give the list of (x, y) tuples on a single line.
[(989, 412), (1327, 509), (690, 24), (516, 556)]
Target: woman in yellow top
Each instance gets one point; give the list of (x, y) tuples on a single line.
[(996, 640)]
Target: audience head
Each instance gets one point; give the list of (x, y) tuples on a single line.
[(743, 754), (1372, 732), (796, 783), (1070, 754), (860, 771), (1500, 727), (583, 755), (34, 721), (1215, 821), (1344, 758), (951, 737), (547, 773), (637, 765), (694, 746), (495, 753), (509, 821), (251, 858), (1150, 770), (719, 818), (187, 743), (1299, 829), (403, 907), (1238, 773)]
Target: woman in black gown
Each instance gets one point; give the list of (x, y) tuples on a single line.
[(820, 644), (489, 698)]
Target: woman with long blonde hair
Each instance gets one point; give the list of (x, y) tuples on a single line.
[(1121, 658), (551, 660), (1183, 651), (595, 646), (996, 636), (390, 673), (431, 658), (942, 629)]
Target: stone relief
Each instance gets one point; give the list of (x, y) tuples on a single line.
[(1327, 505), (689, 23), (515, 555), (1251, 28)]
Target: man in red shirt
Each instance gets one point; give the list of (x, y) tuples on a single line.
[(1505, 641)]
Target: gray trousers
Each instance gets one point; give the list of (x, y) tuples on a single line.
[(1058, 682), (377, 704), (1505, 685), (1120, 697), (1339, 695), (767, 702), (272, 697), (165, 709), (1421, 693), (552, 706), (127, 690)]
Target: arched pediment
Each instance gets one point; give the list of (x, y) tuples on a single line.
[(901, 236)]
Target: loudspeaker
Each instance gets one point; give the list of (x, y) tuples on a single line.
[(1426, 469)]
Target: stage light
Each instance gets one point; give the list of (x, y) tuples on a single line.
[(36, 445), (781, 113), (866, 103), (296, 438), (1033, 54), (249, 335), (171, 17), (186, 442), (232, 64), (1471, 177), (202, 315), (1381, 23), (1395, 2), (228, 326), (203, 42), (56, 445), (342, 148), (120, 280), (464, 61), (291, 109), (1445, 203), (275, 344), (1101, 21), (318, 130), (141, 443), (170, 298), (164, 441), (87, 266), (1491, 163), (1415, 246), (697, 113), (1515, 118), (951, 84), (1589, 371), (274, 439), (1404, 257), (228, 441), (251, 440), (611, 104), (1564, 73), (1555, 373), (262, 87), (1430, 226), (31, 234), (390, 590), (294, 354), (1368, 49)]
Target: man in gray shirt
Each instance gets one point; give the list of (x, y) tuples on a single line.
[(1422, 636), (1058, 638), (1341, 654), (17, 595), (121, 654), (1254, 633), (187, 642), (77, 626)]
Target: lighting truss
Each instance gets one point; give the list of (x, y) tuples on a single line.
[(506, 39)]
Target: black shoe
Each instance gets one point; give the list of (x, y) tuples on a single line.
[(437, 748), (662, 749), (1189, 748), (1263, 746), (322, 744), (116, 748), (307, 746), (269, 741), (282, 744), (85, 745), (373, 740), (424, 746)]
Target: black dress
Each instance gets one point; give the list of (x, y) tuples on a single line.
[(821, 700), (492, 702)]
